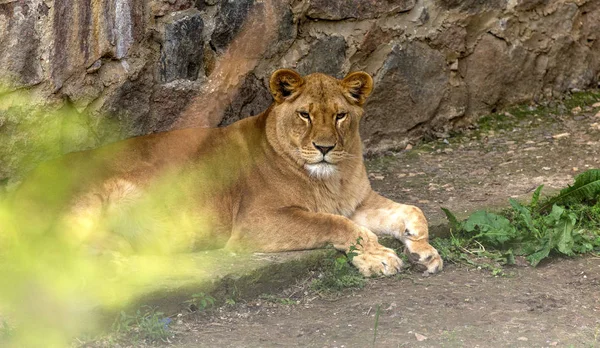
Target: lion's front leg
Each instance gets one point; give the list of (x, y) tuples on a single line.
[(296, 229), (405, 222)]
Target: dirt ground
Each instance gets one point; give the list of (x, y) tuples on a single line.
[(483, 168), (555, 304)]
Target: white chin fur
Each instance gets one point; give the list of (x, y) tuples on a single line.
[(320, 170)]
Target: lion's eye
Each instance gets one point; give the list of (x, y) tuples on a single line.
[(304, 115), (341, 116)]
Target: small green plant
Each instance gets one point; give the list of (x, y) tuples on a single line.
[(339, 274), (200, 301), (567, 224), (230, 302), (123, 323), (353, 248), (376, 324), (147, 323)]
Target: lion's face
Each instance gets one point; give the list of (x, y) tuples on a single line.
[(318, 117)]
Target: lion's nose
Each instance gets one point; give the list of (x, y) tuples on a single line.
[(323, 148)]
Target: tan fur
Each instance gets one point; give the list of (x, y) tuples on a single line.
[(263, 183)]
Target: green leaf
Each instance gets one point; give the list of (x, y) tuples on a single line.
[(555, 215), (352, 249), (559, 235), (536, 197), (564, 232), (535, 258), (565, 241), (586, 187), (584, 241), (454, 224), (524, 214), (492, 228)]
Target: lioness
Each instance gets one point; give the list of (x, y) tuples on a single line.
[(291, 178)]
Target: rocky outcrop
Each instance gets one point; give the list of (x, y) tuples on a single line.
[(128, 67), (181, 55), (326, 55), (410, 87)]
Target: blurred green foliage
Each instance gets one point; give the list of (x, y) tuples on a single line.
[(54, 280)]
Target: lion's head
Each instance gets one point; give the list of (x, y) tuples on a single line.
[(317, 117)]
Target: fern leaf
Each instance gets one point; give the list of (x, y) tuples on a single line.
[(586, 187)]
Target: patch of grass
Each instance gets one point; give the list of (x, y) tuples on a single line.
[(380, 163), (567, 224), (493, 122), (339, 274), (465, 251), (412, 155), (582, 98), (511, 117), (451, 337), (280, 300), (146, 324)]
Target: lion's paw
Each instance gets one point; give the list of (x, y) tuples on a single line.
[(377, 261), (424, 256)]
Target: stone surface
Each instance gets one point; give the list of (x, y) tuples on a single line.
[(85, 31), (408, 90), (359, 9), (126, 109), (160, 8), (485, 85), (451, 39), (252, 99), (181, 55), (453, 106), (472, 5), (287, 31), (375, 38), (20, 42), (129, 67), (83, 90), (326, 55), (229, 22)]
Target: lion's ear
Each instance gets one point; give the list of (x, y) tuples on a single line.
[(358, 86), (283, 84)]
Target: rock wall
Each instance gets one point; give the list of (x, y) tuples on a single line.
[(436, 63)]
